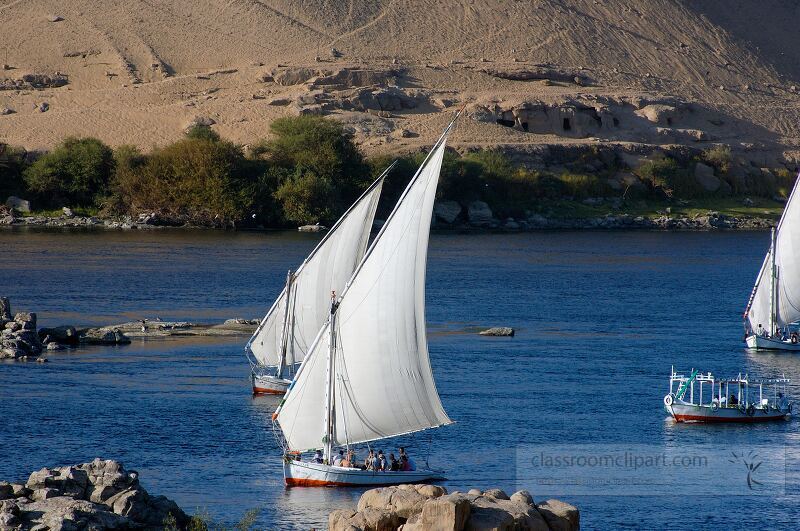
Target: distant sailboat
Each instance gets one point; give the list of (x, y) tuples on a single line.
[(774, 304), (284, 336), (368, 376)]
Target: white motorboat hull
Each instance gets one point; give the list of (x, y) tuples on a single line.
[(307, 474), (694, 413), (765, 343), (269, 385)]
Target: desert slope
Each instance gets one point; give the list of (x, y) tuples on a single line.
[(140, 70)]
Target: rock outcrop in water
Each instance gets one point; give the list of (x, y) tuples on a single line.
[(18, 337), (426, 507), (498, 331), (93, 496)]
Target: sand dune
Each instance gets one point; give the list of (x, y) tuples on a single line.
[(140, 70)]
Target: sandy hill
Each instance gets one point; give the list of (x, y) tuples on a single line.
[(530, 72)]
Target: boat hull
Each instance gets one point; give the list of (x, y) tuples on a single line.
[(695, 413), (269, 385), (765, 343), (306, 474)]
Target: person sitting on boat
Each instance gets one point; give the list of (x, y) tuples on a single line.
[(318, 457), (369, 462), (337, 461), (380, 462), (723, 401), (347, 462), (406, 463), (733, 401), (761, 331), (394, 464)]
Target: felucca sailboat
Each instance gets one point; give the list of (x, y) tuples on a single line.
[(774, 303), (368, 376), (285, 334)]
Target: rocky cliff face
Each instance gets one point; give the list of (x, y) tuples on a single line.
[(98, 495), (657, 72)]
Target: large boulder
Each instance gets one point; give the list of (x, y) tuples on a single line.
[(446, 513), (6, 490), (15, 203), (66, 335), (103, 336), (479, 213), (446, 211), (499, 331), (26, 320), (428, 507), (367, 520), (560, 516), (704, 175), (405, 500)]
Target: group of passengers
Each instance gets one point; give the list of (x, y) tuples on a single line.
[(377, 462), (780, 334)]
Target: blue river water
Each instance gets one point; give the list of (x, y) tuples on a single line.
[(600, 317)]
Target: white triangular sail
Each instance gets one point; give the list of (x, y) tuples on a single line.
[(787, 278), (383, 382), (328, 268)]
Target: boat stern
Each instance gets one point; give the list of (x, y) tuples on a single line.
[(269, 385)]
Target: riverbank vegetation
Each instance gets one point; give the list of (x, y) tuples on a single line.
[(309, 170)]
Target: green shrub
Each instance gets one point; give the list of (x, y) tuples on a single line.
[(307, 197), (196, 180), (316, 169), (664, 175), (784, 181), (12, 165), (719, 157), (76, 173), (202, 132), (582, 186), (202, 521)]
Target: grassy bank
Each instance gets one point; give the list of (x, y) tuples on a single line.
[(730, 206)]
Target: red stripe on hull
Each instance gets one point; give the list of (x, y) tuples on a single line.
[(301, 482), (265, 391), (701, 418)]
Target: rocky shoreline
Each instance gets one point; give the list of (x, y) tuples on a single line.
[(450, 215), (102, 495), (98, 495), (430, 507), (535, 222), (21, 340)]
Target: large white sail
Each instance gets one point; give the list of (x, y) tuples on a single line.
[(383, 382), (787, 279), (328, 268)]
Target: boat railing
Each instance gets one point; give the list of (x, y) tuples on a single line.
[(745, 391)]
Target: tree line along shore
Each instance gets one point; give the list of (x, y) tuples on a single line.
[(309, 171)]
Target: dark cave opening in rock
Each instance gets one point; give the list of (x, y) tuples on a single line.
[(566, 125), (506, 123)]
